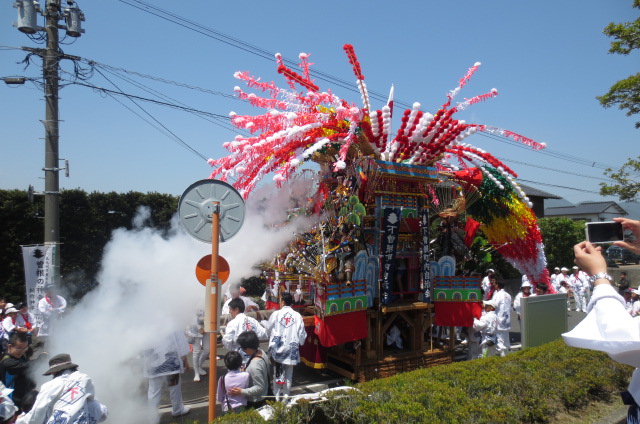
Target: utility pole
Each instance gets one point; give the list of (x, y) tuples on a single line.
[(27, 23), (52, 135)]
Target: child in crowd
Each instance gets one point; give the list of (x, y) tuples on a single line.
[(488, 327), (233, 378)]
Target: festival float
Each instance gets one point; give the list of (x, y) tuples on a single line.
[(368, 274)]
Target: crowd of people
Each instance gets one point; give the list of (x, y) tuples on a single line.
[(490, 333), (254, 375)]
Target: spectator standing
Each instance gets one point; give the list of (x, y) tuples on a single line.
[(234, 292), (486, 284), (14, 368), (503, 311), (541, 289), (233, 378), (580, 285), (287, 334), (623, 283), (163, 364), (565, 288), (555, 281), (9, 325), (69, 398), (258, 368), (51, 307), (26, 320), (525, 291), (628, 304), (199, 341)]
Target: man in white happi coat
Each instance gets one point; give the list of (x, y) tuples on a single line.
[(164, 363), (239, 324), (580, 285), (51, 307), (287, 334), (555, 281), (503, 311), (234, 292), (486, 283), (69, 398)]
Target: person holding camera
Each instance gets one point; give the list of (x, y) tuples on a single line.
[(608, 327)]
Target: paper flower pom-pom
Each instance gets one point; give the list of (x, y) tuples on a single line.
[(211, 161), (341, 164), (295, 162)]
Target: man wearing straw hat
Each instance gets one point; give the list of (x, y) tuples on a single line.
[(69, 398)]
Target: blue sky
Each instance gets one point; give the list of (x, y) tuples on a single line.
[(548, 60)]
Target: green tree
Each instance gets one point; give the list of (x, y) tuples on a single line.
[(624, 93), (86, 224), (626, 177), (559, 235)]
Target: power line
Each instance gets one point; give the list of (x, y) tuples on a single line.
[(263, 53), (559, 186), (549, 152), (177, 139), (562, 171), (163, 80), (249, 48)]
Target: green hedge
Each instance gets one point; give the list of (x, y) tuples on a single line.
[(528, 386)]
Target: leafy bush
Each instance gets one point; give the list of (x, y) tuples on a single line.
[(525, 387)]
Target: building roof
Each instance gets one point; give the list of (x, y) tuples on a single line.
[(585, 208), (538, 193)]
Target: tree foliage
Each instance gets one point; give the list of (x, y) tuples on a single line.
[(559, 236), (624, 93), (626, 177), (86, 224)]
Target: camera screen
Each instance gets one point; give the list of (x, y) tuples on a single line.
[(604, 232)]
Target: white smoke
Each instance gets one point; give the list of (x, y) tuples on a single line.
[(147, 289)]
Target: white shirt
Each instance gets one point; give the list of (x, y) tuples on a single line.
[(21, 320), (487, 325), (579, 282), (503, 311), (50, 309), (287, 333), (166, 357), (7, 326), (609, 328), (517, 300), (69, 398), (486, 286), (247, 302), (240, 324)]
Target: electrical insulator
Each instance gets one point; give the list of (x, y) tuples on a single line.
[(27, 16), (74, 17)]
